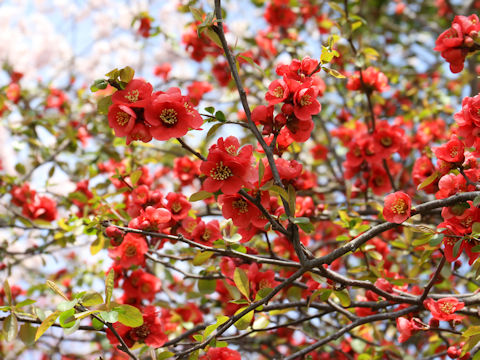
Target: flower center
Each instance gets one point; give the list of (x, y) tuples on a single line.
[(454, 151), (386, 141), (447, 308), (206, 235), (220, 172), (131, 250), (232, 150), (241, 206), (146, 288), (132, 96), (278, 92), (305, 100), (122, 118), (142, 332), (169, 116), (176, 207), (399, 207)]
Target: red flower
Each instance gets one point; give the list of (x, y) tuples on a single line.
[(178, 206), (279, 13), (185, 170), (407, 327), (171, 115), (136, 94), (241, 211), (145, 26), (373, 79), (397, 207), (121, 119), (151, 333), (131, 252), (162, 70), (197, 89), (141, 285), (277, 92), (305, 102), (41, 207), (455, 43), (139, 133), (451, 152), (221, 354), (227, 169), (444, 308)]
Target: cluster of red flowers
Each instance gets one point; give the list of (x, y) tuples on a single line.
[(442, 310), (367, 151), (34, 206), (372, 78), (297, 91), (455, 43), (139, 114)]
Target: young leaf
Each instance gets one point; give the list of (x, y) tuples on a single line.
[(245, 320), (49, 321), (129, 315), (241, 281), (10, 327), (56, 289), (109, 287)]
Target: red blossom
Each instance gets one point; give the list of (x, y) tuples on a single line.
[(131, 252), (443, 309), (397, 207)]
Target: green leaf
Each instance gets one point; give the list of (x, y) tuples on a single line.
[(206, 286), (476, 201), (113, 74), (8, 292), (210, 109), (241, 281), (456, 248), (129, 315), (99, 84), (25, 302), (67, 319), (472, 330), (127, 74), (135, 176), (210, 328), (91, 298), (67, 305), (56, 289), (165, 355), (97, 324), (212, 35), (10, 327), (109, 281), (201, 257), (436, 240), (428, 181), (20, 168), (334, 73), (200, 195), (84, 314), (213, 129), (27, 334), (103, 104), (263, 292), (109, 316), (49, 321), (220, 116), (197, 13), (97, 245), (245, 320), (343, 296)]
